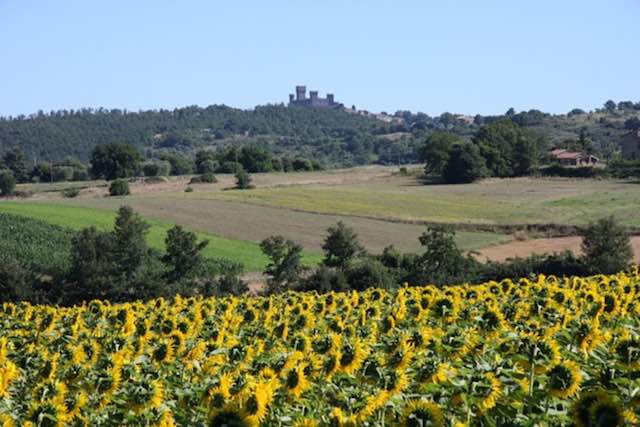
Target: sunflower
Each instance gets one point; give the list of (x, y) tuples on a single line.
[(258, 400), (229, 416), (295, 380), (564, 379), (167, 420), (606, 412), (420, 413), (488, 389), (628, 352), (352, 356)]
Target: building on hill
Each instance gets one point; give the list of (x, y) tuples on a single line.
[(300, 99), (630, 145), (573, 158)]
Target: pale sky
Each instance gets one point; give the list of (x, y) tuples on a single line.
[(458, 56)]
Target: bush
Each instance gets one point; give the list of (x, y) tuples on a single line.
[(188, 190), (577, 172), (70, 192), (556, 264), (325, 279), (205, 178), (7, 183), (119, 187), (80, 174), (150, 169), (365, 273), (13, 280), (62, 173), (243, 180), (606, 247)]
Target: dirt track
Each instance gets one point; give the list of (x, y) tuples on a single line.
[(539, 246)]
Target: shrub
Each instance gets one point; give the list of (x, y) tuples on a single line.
[(62, 173), (13, 280), (243, 180), (70, 192), (228, 167), (150, 169), (205, 178), (188, 190), (119, 187), (7, 183), (577, 172), (365, 273), (80, 174), (606, 246), (325, 279)]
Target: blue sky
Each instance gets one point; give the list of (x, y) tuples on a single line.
[(432, 56)]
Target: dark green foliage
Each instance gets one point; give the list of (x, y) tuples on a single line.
[(435, 151), (183, 255), (606, 246), (227, 284), (284, 268), (130, 246), (115, 160), (624, 169), (14, 161), (93, 268), (119, 187), (464, 165), (340, 246), (508, 149), (442, 261), (180, 165), (325, 279), (13, 279), (365, 272), (7, 183), (243, 180), (557, 264), (574, 172), (205, 178), (70, 193), (37, 246)]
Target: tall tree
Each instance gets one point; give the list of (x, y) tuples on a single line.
[(116, 160), (283, 270), (183, 253), (340, 246), (435, 151), (464, 165), (130, 241)]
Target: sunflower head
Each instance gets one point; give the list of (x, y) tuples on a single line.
[(420, 413), (564, 379)]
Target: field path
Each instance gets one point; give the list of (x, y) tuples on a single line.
[(540, 246)]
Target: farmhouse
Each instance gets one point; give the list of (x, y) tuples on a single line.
[(630, 145), (572, 158)]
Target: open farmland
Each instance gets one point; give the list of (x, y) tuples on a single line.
[(383, 207)]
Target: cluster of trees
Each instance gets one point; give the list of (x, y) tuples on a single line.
[(347, 266), (332, 136), (119, 266), (499, 149)]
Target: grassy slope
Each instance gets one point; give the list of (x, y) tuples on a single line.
[(76, 218)]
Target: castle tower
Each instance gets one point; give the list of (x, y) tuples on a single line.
[(301, 93)]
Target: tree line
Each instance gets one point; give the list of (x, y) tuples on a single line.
[(347, 265), (119, 266)]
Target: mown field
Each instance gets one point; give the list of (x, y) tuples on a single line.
[(542, 352)]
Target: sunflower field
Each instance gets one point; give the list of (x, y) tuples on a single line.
[(545, 352)]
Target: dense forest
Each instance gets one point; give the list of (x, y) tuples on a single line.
[(332, 137)]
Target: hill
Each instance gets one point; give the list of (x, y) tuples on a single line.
[(334, 137)]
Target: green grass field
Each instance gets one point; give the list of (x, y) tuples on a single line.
[(509, 201), (76, 218)]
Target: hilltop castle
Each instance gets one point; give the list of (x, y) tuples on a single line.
[(301, 100)]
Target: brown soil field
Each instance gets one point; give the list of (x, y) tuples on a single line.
[(540, 246)]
